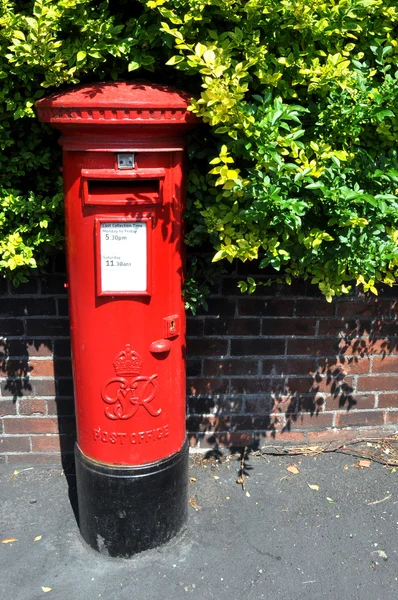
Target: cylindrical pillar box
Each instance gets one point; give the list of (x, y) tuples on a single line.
[(123, 179)]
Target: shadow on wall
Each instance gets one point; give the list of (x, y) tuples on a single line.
[(336, 374), (36, 404)]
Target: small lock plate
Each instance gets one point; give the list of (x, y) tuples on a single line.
[(125, 160), (172, 326)]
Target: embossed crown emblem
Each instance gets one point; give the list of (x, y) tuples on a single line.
[(128, 363)]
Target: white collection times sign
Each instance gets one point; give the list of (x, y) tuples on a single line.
[(123, 248)]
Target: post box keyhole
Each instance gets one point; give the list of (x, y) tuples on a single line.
[(125, 160)]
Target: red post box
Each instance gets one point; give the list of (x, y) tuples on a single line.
[(123, 179)]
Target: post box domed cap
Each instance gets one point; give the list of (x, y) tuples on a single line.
[(117, 101)]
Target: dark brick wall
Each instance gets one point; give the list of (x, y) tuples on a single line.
[(284, 365), (280, 366)]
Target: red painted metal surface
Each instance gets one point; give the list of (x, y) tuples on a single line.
[(128, 344)]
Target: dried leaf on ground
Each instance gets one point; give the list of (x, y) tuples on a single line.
[(9, 540), (46, 589), (330, 500), (363, 464), (192, 479), (38, 538), (193, 503), (293, 469), (313, 486)]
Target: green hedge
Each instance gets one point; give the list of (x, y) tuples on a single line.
[(301, 105)]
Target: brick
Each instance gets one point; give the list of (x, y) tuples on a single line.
[(192, 440), (286, 404), (14, 444), (287, 437), (194, 326), (330, 436), (229, 287), (336, 383), (14, 368), (25, 387), (352, 365), (308, 421), (62, 348), (11, 327), (252, 267), (62, 368), (258, 385), (232, 326), (3, 285), (212, 423), (363, 308), (26, 348), (194, 368), (313, 346), (350, 401), (20, 307), (53, 285), (378, 432), (262, 405), (29, 287), (298, 287), (219, 306), (366, 346), (30, 425), (219, 405), (288, 327), (360, 418), (227, 440), (41, 368), (392, 417), (61, 406), (67, 424), (385, 291), (44, 327), (377, 383), (293, 366), (16, 388), (311, 403), (388, 400), (207, 347), (65, 387), (59, 263), (385, 364), (345, 327), (314, 308), (32, 407), (257, 346), (207, 386), (52, 443), (37, 459), (273, 307), (231, 367), (63, 307), (7, 407), (269, 422), (386, 328)]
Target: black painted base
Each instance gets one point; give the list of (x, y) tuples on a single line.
[(126, 510)]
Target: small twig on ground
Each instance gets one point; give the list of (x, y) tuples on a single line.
[(384, 451)]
